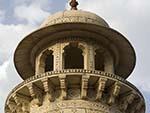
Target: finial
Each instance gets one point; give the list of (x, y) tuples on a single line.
[(74, 5)]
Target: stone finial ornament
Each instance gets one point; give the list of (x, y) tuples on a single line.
[(74, 4)]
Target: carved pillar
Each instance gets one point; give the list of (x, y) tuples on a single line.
[(57, 57), (85, 57), (101, 86), (92, 58), (84, 86), (36, 94), (63, 88), (48, 88), (89, 58)]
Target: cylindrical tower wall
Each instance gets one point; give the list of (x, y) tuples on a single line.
[(74, 54)]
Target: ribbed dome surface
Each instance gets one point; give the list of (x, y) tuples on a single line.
[(74, 16)]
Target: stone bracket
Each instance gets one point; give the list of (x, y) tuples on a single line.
[(48, 88), (63, 88), (35, 93), (101, 87), (84, 86), (19, 99), (115, 90)]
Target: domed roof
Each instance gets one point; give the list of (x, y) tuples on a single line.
[(74, 16)]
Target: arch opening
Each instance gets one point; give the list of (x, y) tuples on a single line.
[(49, 62), (45, 62), (73, 57), (99, 60)]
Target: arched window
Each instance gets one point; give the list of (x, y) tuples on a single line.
[(49, 61), (45, 62), (73, 58), (99, 60)]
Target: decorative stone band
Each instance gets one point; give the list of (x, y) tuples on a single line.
[(74, 19), (79, 71), (78, 106), (76, 84)]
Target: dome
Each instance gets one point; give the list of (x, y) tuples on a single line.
[(74, 16)]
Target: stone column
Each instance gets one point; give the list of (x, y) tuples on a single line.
[(57, 58), (89, 58)]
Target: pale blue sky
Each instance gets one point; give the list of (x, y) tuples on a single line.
[(20, 17)]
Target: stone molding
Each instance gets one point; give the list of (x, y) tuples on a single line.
[(79, 71), (73, 19), (81, 92)]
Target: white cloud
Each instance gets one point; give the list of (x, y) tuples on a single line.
[(141, 81), (3, 74), (8, 80), (118, 13), (10, 35), (41, 3), (33, 13), (2, 15)]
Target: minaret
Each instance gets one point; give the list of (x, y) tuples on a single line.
[(75, 63)]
